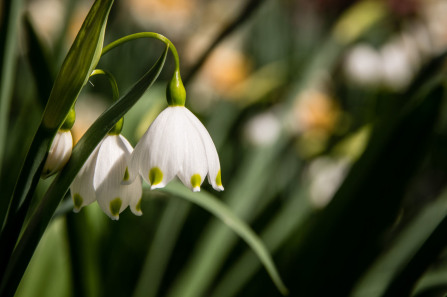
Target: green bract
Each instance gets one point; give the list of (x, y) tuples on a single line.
[(175, 92), (69, 120), (82, 58)]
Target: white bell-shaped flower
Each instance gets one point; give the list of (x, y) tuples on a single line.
[(176, 144), (101, 178), (59, 153)]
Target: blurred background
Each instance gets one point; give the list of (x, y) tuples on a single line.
[(331, 131)]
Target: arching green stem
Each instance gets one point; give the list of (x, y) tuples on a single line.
[(115, 93), (112, 81), (175, 92), (154, 35)]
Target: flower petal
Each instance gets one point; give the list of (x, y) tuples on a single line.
[(195, 166), (59, 153), (214, 174), (133, 194), (81, 189), (159, 152), (111, 165)]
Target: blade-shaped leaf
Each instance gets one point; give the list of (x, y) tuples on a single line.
[(217, 208), (78, 64), (8, 51)]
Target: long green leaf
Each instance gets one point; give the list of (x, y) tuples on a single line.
[(217, 208), (41, 218), (81, 59), (8, 54), (292, 213)]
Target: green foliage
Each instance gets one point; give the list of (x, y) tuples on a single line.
[(346, 197)]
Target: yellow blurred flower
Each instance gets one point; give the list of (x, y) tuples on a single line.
[(315, 111)]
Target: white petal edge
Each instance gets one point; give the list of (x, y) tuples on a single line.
[(210, 149), (82, 185), (160, 147), (59, 153), (195, 166), (111, 164)]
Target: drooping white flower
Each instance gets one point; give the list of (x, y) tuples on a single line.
[(101, 178), (59, 153), (176, 144)]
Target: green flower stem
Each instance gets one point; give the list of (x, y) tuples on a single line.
[(154, 35), (111, 79), (115, 93)]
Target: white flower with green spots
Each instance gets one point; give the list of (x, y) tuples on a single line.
[(176, 144), (101, 178), (59, 153)]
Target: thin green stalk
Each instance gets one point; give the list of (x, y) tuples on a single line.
[(112, 81), (154, 35)]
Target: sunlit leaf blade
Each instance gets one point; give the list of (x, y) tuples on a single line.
[(217, 208), (41, 218), (80, 61)]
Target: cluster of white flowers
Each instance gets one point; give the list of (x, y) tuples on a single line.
[(176, 144), (395, 63)]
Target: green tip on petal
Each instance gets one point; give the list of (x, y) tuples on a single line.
[(219, 179), (175, 92), (195, 182), (126, 175), (138, 206), (116, 130), (155, 176), (115, 206), (77, 201)]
